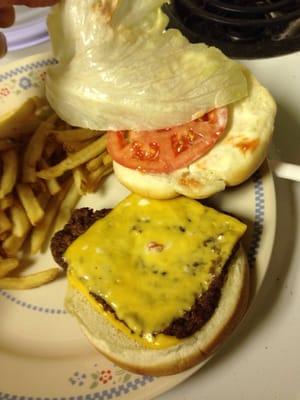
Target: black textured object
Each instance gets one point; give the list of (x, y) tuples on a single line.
[(240, 28)]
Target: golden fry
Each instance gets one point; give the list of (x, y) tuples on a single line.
[(100, 172), (36, 203), (30, 281), (5, 223), (79, 180), (75, 135), (7, 265), (41, 230), (21, 223), (68, 204), (52, 184), (30, 203), (107, 159), (73, 147), (96, 177), (9, 172), (44, 112), (75, 159), (95, 163), (7, 201), (35, 148), (50, 149), (12, 244)]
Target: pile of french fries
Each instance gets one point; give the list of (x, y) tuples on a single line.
[(45, 167)]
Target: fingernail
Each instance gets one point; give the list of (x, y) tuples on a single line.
[(3, 45)]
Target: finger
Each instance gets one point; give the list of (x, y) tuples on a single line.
[(28, 3), (7, 17), (3, 45)]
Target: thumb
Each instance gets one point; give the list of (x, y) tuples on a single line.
[(7, 16), (3, 45)]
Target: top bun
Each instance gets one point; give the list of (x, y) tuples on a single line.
[(230, 162)]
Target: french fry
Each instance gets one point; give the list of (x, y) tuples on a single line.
[(80, 180), (50, 149), (107, 159), (12, 244), (5, 223), (7, 201), (96, 177), (73, 147), (68, 204), (41, 230), (75, 159), (8, 265), (20, 221), (35, 148), (33, 202), (29, 281), (75, 135), (95, 163), (30, 203), (43, 111), (10, 171), (52, 184)]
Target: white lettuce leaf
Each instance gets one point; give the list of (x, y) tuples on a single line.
[(119, 68)]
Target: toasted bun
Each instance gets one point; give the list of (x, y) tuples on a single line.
[(230, 162), (130, 355)]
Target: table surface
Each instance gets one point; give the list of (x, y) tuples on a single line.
[(262, 360)]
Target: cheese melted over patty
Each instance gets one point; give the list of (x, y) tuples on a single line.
[(149, 260)]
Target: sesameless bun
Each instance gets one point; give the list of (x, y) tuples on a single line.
[(193, 350), (229, 163)]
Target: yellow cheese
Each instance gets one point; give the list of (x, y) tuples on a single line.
[(159, 341), (150, 259)]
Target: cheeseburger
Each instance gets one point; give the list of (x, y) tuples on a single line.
[(155, 285)]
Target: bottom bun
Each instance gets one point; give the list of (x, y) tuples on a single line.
[(193, 350)]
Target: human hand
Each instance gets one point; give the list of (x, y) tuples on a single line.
[(7, 15)]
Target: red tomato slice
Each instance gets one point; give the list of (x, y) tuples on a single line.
[(166, 150)]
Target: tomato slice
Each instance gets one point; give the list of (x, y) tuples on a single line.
[(166, 150)]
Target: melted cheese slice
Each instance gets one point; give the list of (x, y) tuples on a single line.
[(150, 259), (159, 341)]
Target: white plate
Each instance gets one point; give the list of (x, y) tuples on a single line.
[(43, 355)]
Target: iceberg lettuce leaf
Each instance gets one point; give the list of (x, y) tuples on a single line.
[(119, 68)]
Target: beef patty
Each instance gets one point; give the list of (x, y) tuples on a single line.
[(191, 321)]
